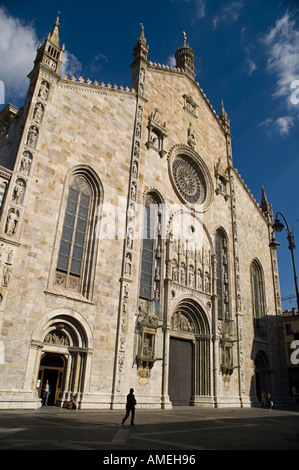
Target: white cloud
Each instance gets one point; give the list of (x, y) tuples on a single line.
[(100, 56), (282, 52), (171, 61), (70, 64), (18, 44), (229, 12), (282, 48), (251, 65), (200, 9), (282, 125)]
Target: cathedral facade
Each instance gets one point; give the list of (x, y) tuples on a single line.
[(132, 254)]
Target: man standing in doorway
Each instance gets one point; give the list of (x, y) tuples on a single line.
[(130, 407), (46, 393)]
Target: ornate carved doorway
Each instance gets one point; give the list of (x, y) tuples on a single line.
[(189, 372), (61, 351), (180, 371)]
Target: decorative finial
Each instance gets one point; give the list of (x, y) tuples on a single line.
[(184, 36)]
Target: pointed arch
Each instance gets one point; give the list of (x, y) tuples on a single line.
[(150, 271), (62, 335), (191, 376), (79, 232), (258, 298), (194, 313)]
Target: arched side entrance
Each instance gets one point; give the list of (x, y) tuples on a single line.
[(189, 373), (61, 353), (262, 372), (52, 368)]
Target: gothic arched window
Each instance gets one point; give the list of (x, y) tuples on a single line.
[(77, 249), (222, 276), (258, 298), (151, 249)]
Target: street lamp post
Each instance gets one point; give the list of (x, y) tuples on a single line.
[(278, 226)]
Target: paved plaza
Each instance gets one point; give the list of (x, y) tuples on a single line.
[(185, 429)]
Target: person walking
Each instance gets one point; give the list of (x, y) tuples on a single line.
[(264, 399), (269, 402), (130, 407)]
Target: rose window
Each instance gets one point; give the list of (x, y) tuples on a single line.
[(189, 179)]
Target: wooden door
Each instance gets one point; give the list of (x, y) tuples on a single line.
[(180, 371)]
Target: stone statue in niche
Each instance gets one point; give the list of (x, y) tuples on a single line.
[(191, 276), (1, 250), (121, 361), (137, 149), (139, 112), (128, 264), (124, 324), (131, 212), (138, 130), (156, 133), (122, 343), (199, 279), (9, 257), (26, 162), (32, 136), (44, 91), (12, 221), (38, 113), (130, 238), (183, 274), (157, 294), (174, 271), (135, 169), (207, 283), (126, 290), (19, 191), (191, 137), (133, 191), (221, 179), (6, 276)]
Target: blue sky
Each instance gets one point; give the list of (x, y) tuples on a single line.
[(246, 53)]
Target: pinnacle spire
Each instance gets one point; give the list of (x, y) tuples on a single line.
[(184, 57), (50, 53), (142, 37), (265, 206), (141, 48), (54, 36), (223, 116)]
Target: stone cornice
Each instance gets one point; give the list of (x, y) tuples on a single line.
[(95, 87), (247, 190)]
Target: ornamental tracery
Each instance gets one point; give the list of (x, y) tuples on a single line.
[(190, 176), (189, 180)]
